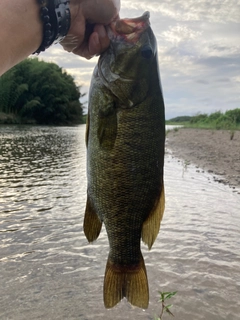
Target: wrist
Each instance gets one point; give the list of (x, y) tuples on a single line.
[(56, 19), (74, 8)]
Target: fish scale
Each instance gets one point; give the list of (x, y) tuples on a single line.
[(125, 155)]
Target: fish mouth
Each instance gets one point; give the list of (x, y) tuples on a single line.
[(129, 30)]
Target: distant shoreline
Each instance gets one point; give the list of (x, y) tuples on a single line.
[(211, 150), (12, 119), (6, 118)]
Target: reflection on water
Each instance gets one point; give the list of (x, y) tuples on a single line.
[(172, 127), (49, 271)]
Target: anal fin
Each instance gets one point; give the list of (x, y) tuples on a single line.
[(129, 282), (91, 225), (151, 225)]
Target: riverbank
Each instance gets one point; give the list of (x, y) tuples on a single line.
[(13, 119), (9, 118), (211, 150)]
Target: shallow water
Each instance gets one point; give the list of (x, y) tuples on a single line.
[(49, 271)]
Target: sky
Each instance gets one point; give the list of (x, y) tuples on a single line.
[(198, 52)]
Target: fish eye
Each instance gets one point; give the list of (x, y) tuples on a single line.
[(146, 52)]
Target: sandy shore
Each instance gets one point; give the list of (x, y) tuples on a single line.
[(211, 150)]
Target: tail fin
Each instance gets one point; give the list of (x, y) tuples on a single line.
[(126, 282)]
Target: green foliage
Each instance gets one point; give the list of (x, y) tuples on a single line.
[(224, 122), (234, 115), (230, 120), (10, 91), (214, 116), (40, 92), (165, 308), (85, 118), (199, 118)]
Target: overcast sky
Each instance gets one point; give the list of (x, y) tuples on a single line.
[(198, 49)]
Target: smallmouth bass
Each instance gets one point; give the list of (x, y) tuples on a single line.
[(125, 139)]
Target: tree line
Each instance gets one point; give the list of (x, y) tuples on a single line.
[(216, 120), (38, 92), (219, 120)]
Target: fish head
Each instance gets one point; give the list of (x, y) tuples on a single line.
[(126, 68)]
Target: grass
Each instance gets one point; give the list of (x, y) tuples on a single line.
[(230, 120), (212, 126)]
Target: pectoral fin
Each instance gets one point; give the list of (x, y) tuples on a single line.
[(107, 128), (91, 225), (151, 225)]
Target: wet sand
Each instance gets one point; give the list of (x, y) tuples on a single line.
[(210, 150)]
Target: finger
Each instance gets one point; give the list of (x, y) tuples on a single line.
[(83, 50), (97, 43), (69, 43), (91, 48), (94, 45), (102, 38)]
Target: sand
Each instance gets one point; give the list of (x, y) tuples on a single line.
[(211, 150)]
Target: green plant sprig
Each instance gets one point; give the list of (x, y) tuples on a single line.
[(165, 308)]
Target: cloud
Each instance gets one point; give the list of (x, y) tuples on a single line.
[(190, 10), (179, 34), (198, 49)]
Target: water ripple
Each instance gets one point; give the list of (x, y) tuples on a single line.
[(49, 271)]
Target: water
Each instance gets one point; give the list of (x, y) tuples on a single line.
[(49, 271)]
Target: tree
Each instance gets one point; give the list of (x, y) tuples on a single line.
[(41, 92)]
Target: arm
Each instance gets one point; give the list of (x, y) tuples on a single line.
[(20, 31), (21, 28)]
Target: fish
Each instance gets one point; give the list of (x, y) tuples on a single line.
[(125, 137)]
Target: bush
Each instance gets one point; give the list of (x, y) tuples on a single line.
[(234, 115), (41, 92), (199, 118)]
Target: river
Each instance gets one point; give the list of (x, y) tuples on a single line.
[(49, 271)]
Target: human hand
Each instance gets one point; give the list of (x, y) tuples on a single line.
[(87, 36)]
